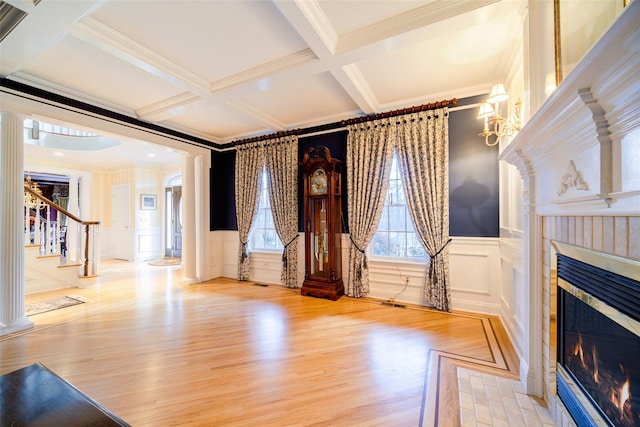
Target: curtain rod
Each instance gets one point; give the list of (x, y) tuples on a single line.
[(343, 123)]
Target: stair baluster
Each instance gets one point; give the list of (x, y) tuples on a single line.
[(47, 233)]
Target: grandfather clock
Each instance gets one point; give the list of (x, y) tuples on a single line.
[(322, 224)]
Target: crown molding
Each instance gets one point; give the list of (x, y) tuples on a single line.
[(45, 85), (261, 71), (121, 46), (163, 108), (216, 141), (20, 97)]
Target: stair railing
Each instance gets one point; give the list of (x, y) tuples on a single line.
[(41, 230)]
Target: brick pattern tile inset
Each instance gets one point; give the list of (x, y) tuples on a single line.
[(489, 400)]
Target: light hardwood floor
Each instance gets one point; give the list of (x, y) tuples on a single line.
[(226, 353)]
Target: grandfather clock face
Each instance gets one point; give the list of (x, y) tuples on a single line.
[(318, 183)]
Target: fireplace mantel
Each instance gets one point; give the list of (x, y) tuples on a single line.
[(579, 153)]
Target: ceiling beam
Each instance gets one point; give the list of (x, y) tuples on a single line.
[(403, 23), (308, 20)]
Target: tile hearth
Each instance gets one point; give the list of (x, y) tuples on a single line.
[(489, 400)]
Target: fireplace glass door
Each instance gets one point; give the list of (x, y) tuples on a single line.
[(598, 337), (603, 358)]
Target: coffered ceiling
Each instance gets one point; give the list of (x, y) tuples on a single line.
[(226, 70)]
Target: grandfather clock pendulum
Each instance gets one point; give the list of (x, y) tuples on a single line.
[(322, 224)]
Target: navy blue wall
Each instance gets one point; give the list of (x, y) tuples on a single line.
[(223, 192), (473, 178)]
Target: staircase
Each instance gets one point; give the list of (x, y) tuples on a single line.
[(48, 261)]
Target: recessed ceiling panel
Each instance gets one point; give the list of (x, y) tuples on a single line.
[(305, 101), (76, 65), (212, 39), (220, 122), (347, 16), (444, 63)]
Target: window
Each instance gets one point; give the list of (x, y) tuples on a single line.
[(263, 236), (396, 237)]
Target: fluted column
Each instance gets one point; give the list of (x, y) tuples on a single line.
[(198, 217), (188, 219), (12, 317)]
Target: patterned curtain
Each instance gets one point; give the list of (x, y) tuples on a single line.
[(281, 157), (369, 154), (249, 163), (423, 151)]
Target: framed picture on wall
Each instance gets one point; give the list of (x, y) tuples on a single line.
[(148, 201)]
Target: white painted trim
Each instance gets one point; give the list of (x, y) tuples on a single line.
[(116, 43), (254, 74), (166, 108)]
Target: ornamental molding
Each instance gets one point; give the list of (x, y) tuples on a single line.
[(572, 178)]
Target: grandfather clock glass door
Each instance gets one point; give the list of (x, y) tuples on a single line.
[(320, 237)]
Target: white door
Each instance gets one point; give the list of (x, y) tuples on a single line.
[(121, 230)]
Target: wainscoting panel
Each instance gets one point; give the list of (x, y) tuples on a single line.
[(474, 265), (388, 279), (460, 263), (266, 267), (105, 243), (216, 260), (229, 253), (512, 296), (148, 244)]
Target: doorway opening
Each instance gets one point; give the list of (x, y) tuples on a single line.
[(173, 221)]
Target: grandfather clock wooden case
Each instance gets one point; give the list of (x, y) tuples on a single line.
[(322, 224)]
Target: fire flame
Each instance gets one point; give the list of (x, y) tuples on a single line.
[(578, 350), (620, 397), (624, 396), (595, 364)]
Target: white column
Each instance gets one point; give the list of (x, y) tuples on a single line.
[(73, 249), (189, 219), (198, 217), (12, 290)]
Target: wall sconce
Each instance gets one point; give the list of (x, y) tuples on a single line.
[(499, 125)]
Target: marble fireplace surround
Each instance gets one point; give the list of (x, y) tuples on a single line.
[(578, 157)]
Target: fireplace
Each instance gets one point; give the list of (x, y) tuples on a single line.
[(598, 337)]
